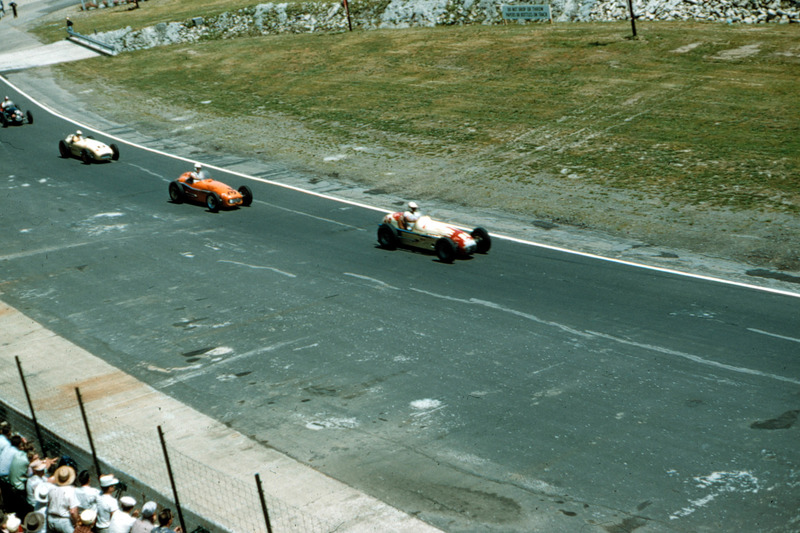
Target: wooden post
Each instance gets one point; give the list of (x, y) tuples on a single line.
[(633, 17), (347, 10)]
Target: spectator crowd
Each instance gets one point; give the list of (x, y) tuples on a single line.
[(49, 495)]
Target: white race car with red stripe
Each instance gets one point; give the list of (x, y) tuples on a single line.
[(446, 240)]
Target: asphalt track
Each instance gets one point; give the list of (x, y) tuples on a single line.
[(527, 389)]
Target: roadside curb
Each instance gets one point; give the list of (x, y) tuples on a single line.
[(119, 403)]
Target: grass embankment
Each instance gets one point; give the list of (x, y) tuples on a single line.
[(689, 114)]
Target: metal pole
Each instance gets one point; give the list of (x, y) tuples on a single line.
[(633, 17), (171, 479), (263, 503), (30, 406), (88, 433)]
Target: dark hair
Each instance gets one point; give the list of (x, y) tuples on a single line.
[(164, 516), (84, 477), (16, 440)]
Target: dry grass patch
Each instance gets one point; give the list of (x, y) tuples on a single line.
[(521, 102)]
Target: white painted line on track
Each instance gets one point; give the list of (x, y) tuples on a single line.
[(381, 210), (47, 250), (775, 335), (378, 282), (696, 358), (258, 267)]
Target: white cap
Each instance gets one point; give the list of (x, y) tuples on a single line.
[(88, 516), (127, 501), (13, 522), (108, 480), (149, 509)]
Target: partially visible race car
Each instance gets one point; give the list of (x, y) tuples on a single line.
[(446, 240), (214, 194), (87, 148), (11, 115)]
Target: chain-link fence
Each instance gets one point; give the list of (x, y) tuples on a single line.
[(54, 418)]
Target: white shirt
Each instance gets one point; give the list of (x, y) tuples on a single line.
[(87, 497), (411, 218), (30, 488), (121, 522), (5, 459), (61, 500), (106, 507)]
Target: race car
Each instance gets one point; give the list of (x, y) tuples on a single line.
[(214, 194), (447, 241), (87, 148), (11, 115)]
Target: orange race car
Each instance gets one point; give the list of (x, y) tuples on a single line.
[(200, 188)]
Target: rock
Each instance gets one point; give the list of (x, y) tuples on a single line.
[(310, 17)]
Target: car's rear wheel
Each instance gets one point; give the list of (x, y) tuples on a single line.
[(483, 240), (63, 149), (30, 117), (175, 192), (86, 157), (387, 237), (213, 202), (446, 250), (114, 152), (247, 195), (4, 119)]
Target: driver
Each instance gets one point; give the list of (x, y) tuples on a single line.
[(6, 102), (198, 174), (77, 136), (411, 216)]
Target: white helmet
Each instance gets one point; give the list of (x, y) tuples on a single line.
[(198, 166), (78, 133), (413, 206)]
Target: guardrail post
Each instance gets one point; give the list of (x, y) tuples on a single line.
[(30, 406), (263, 503), (171, 479), (88, 433)]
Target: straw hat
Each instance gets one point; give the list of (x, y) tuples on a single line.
[(65, 475)]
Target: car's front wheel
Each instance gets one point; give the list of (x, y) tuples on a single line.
[(482, 239), (213, 202), (63, 149), (86, 157), (387, 237), (247, 195), (114, 152), (30, 117), (446, 250), (175, 192)]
